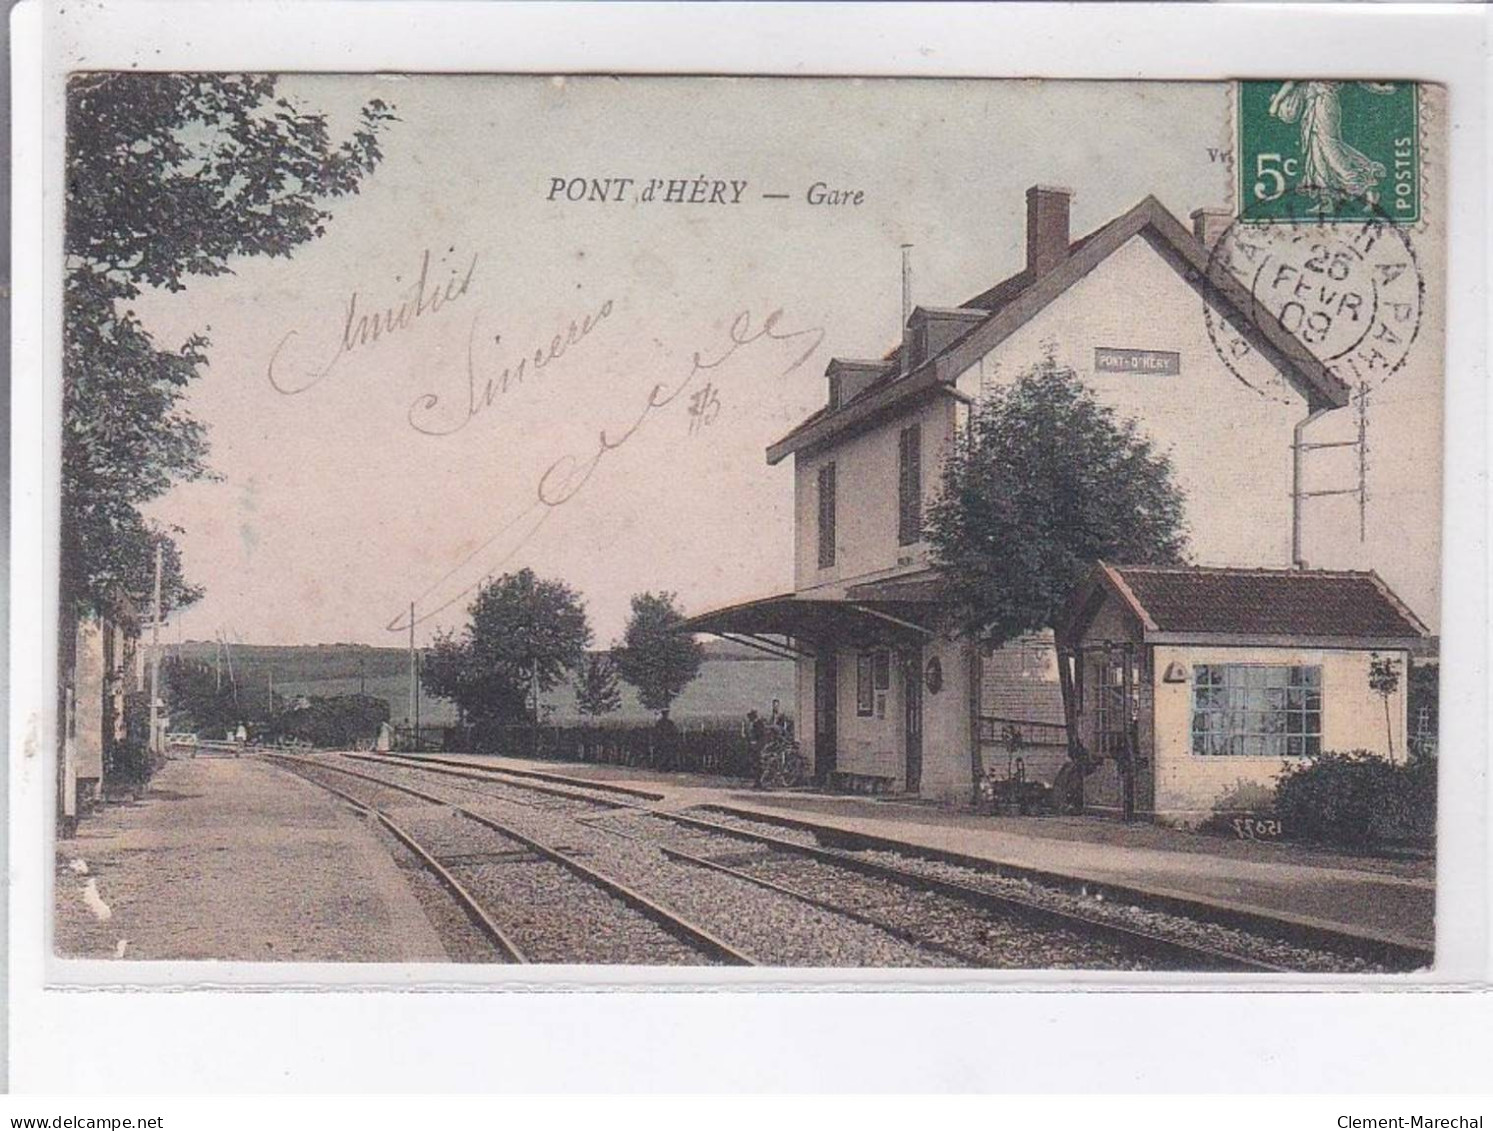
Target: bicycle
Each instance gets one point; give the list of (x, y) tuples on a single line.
[(783, 765)]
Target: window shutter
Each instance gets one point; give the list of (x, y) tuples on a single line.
[(864, 696), (827, 516), (910, 486)]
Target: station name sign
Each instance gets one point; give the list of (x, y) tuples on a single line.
[(1162, 363)]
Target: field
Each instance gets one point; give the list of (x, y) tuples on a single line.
[(731, 681)]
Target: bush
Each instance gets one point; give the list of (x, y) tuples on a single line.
[(1243, 798), (130, 765), (337, 722), (1358, 800)]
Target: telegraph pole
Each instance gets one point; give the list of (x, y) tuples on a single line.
[(414, 675), (156, 745)]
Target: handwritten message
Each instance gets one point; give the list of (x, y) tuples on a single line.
[(568, 475), (430, 413), (434, 288)]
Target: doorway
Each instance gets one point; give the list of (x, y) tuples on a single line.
[(826, 709), (912, 703)]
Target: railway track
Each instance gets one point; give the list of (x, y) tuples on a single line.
[(1326, 948), (1163, 950), (535, 901), (785, 930), (960, 921)]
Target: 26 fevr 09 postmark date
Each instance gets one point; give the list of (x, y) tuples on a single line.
[(1347, 151), (1351, 293)]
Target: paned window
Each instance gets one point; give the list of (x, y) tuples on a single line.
[(1257, 710)]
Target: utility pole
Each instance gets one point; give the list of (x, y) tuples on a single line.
[(228, 653), (414, 674), (906, 308), (156, 745)]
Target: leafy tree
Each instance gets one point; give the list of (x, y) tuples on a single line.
[(449, 669), (656, 657), (1384, 681), (525, 636), (596, 691), (169, 177), (1045, 482), (195, 698)]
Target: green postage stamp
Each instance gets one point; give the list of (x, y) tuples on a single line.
[(1336, 150)]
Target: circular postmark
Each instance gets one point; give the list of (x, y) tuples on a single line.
[(1350, 291)]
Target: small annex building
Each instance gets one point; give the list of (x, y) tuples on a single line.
[(1193, 687)]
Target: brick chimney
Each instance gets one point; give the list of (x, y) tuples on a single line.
[(1046, 228), (1208, 224)]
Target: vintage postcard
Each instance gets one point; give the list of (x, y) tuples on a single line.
[(926, 525)]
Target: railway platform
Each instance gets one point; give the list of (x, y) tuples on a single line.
[(230, 858), (1374, 898)]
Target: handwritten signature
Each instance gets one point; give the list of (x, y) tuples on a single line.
[(568, 475), (428, 404), (360, 330)]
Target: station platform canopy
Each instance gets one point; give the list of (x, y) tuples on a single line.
[(878, 615)]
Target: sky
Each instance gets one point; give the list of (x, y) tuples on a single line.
[(356, 475)]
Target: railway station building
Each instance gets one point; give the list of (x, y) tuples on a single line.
[(886, 700)]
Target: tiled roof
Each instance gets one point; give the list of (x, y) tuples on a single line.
[(1263, 602)]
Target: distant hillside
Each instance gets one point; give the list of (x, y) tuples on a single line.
[(733, 679)]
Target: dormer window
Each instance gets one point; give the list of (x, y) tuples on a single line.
[(834, 391)]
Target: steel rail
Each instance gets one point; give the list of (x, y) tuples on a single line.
[(465, 899), (1393, 954), (905, 934), (672, 922), (1040, 914), (560, 780), (503, 777)]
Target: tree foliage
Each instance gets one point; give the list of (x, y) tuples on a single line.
[(1384, 681), (656, 657), (596, 691), (525, 631), (169, 177), (196, 699), (1045, 482), (336, 722), (449, 669)]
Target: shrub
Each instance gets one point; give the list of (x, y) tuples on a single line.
[(1242, 798), (338, 722), (1358, 799)]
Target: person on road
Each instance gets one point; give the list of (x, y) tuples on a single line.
[(756, 738), (666, 742)]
